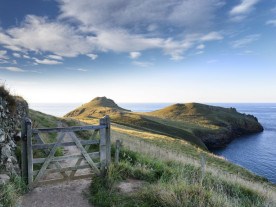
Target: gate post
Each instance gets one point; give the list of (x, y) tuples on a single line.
[(29, 150), (102, 148), (108, 142), (24, 160), (26, 151), (105, 145)]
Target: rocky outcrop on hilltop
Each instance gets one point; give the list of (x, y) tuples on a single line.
[(12, 110)]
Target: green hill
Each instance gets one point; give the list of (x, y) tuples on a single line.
[(199, 124)]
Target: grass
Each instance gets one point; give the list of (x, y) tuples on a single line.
[(167, 149), (10, 192), (170, 183), (41, 120)]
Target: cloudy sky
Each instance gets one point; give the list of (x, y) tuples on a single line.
[(139, 51)]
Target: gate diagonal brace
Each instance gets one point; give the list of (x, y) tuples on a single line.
[(47, 152), (84, 153), (73, 172), (48, 160)]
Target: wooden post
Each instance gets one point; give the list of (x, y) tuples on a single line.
[(117, 152), (24, 159), (108, 142), (29, 150), (102, 148), (202, 167)]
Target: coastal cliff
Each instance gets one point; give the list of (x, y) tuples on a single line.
[(200, 124)]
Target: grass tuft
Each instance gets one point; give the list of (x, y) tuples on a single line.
[(10, 192)]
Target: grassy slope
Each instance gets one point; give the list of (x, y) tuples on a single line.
[(172, 183), (198, 124), (221, 174), (97, 109)]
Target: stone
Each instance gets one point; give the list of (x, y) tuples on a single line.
[(4, 178), (2, 136), (5, 152)]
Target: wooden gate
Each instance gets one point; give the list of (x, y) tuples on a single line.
[(34, 178)]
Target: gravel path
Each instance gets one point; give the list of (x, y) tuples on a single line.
[(67, 194)]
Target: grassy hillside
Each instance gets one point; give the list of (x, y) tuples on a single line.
[(198, 124), (171, 169)]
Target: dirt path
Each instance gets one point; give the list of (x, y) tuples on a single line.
[(67, 194)]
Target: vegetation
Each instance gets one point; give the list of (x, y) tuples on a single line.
[(198, 124), (5, 94), (172, 183), (11, 191)]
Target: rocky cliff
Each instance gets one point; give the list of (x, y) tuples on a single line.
[(12, 110)]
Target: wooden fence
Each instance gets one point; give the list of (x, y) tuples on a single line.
[(29, 134)]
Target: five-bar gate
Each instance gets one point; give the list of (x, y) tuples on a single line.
[(34, 178)]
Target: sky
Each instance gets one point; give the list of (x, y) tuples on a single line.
[(68, 51)]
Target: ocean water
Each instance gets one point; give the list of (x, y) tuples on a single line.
[(256, 152)]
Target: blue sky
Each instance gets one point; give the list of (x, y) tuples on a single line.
[(139, 51)]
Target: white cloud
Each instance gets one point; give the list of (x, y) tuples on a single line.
[(200, 52), (41, 35), (142, 64), (47, 61), (26, 56), (140, 14), (3, 54), (16, 55), (13, 69), (100, 27), (246, 40), (82, 70), (92, 56), (56, 57), (12, 47), (272, 22), (244, 7), (239, 12), (211, 36), (134, 55), (200, 47), (120, 30)]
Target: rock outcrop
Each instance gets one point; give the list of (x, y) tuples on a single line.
[(12, 110)]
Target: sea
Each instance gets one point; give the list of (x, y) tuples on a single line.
[(256, 152)]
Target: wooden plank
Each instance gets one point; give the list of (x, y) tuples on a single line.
[(86, 148), (84, 153), (24, 159), (29, 150), (103, 147), (108, 142), (67, 129), (49, 171), (47, 182), (117, 152), (69, 157), (47, 152), (64, 144), (48, 159)]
